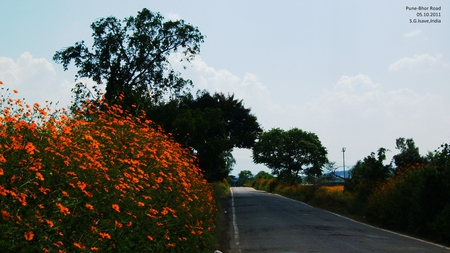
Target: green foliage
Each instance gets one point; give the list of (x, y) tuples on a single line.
[(244, 177), (290, 154), (211, 126), (417, 199), (366, 175), (409, 153), (440, 156), (263, 174), (131, 57)]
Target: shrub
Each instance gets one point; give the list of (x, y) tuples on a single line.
[(103, 182), (415, 199)]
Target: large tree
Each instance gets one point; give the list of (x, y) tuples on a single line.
[(131, 56), (211, 126), (290, 154)]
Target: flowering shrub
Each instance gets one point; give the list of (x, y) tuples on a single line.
[(104, 182), (415, 199)]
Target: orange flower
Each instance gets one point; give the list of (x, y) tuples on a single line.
[(118, 224), (2, 159), (1, 82), (159, 180), (64, 210), (79, 245), (90, 207), (28, 235), (39, 176), (5, 215), (49, 223), (30, 148), (15, 91), (150, 238), (2, 172), (104, 235), (116, 207)]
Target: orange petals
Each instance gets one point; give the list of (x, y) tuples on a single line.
[(29, 235), (116, 207), (62, 209)]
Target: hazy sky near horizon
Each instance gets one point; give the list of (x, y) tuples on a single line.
[(359, 74)]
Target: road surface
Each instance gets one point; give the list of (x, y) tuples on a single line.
[(264, 222)]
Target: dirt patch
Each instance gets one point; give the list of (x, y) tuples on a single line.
[(223, 243)]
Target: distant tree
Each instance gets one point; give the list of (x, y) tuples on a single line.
[(372, 168), (264, 175), (367, 175), (290, 154), (211, 126), (409, 153), (132, 57), (244, 177)]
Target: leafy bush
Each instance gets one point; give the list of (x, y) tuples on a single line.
[(103, 182), (415, 199)]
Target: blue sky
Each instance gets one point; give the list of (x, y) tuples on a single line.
[(356, 73)]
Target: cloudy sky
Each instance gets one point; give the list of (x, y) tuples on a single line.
[(359, 74)]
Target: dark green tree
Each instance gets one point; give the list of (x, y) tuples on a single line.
[(368, 174), (211, 126), (131, 57), (409, 153), (372, 168), (244, 177), (290, 154)]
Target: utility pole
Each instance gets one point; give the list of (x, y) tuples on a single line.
[(343, 160)]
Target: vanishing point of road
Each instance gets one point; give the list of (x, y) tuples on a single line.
[(264, 222)]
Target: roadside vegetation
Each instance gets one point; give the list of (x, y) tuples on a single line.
[(97, 180), (411, 194)]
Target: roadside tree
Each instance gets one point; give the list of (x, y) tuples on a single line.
[(409, 153), (244, 177), (290, 154), (211, 126), (131, 57)]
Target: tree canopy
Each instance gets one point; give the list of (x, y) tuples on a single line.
[(372, 169), (409, 153), (290, 154), (244, 177), (211, 126), (132, 57)]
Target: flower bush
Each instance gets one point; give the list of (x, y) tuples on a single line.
[(97, 180), (416, 199)]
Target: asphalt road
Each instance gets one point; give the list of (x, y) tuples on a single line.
[(264, 222)]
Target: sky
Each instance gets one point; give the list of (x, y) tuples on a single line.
[(359, 74)]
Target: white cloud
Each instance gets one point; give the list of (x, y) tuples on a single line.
[(35, 79), (246, 87), (172, 16), (413, 33), (423, 62)]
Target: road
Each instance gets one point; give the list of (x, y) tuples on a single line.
[(264, 222)]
